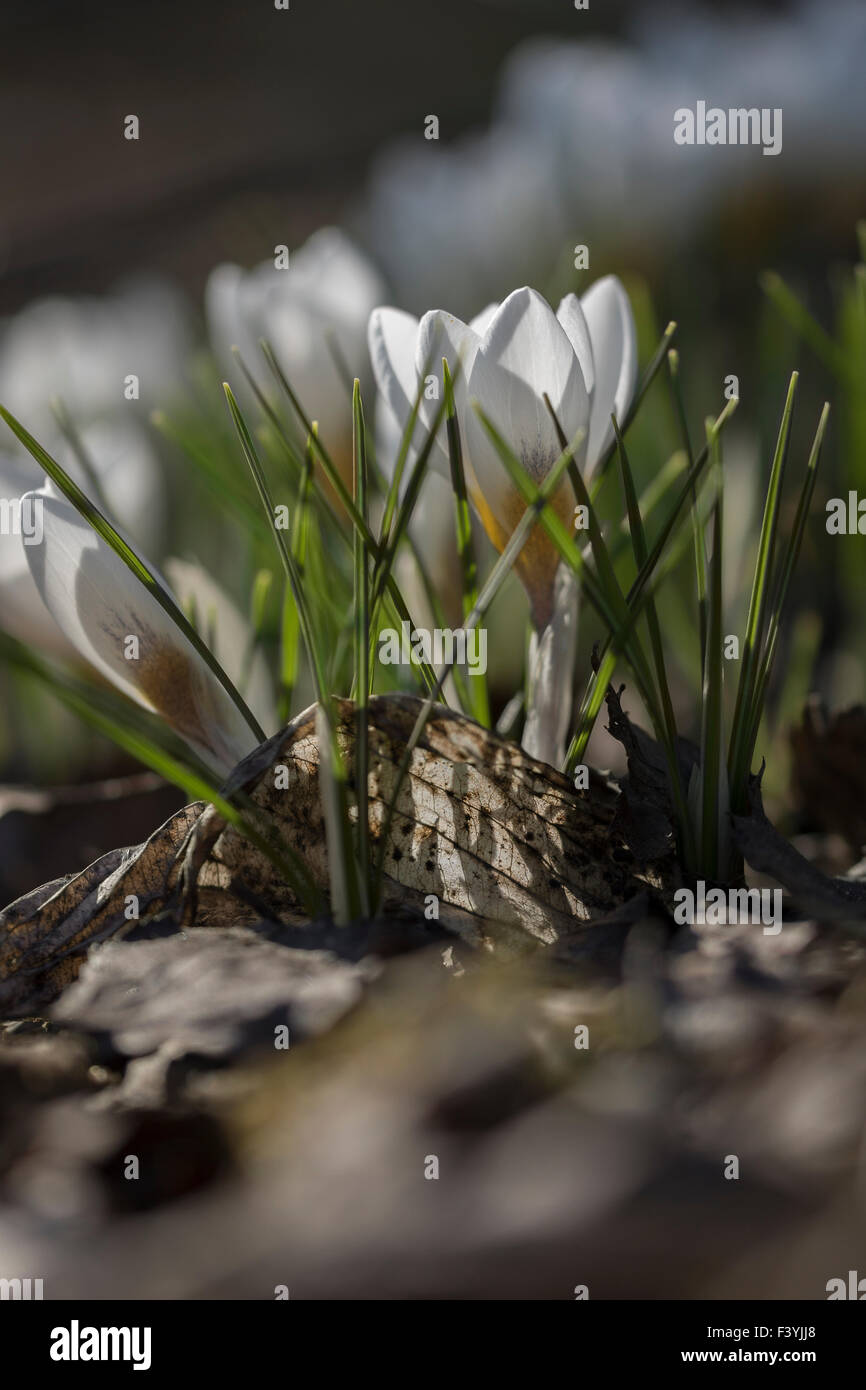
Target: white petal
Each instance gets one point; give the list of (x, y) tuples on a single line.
[(550, 675), (572, 318), (441, 334), (525, 354), (482, 321), (22, 612), (614, 348), (232, 645), (525, 344), (393, 338), (98, 603)]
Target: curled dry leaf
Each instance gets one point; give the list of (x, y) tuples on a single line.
[(513, 854), (45, 935)]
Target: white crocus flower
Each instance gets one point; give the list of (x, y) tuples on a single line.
[(584, 359), (314, 314), (117, 626)]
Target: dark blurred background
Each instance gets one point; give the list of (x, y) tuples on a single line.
[(256, 124)]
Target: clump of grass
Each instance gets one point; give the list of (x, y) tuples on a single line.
[(331, 535)]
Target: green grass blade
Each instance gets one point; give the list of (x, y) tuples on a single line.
[(465, 548), (68, 429), (808, 328), (758, 600), (650, 499), (501, 569), (393, 491), (333, 475), (641, 555), (610, 654), (697, 527), (343, 870), (362, 645), (712, 728), (290, 628), (290, 636), (259, 596), (639, 587), (228, 495), (788, 566), (606, 597), (644, 385)]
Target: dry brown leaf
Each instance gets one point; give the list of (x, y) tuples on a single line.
[(512, 853), (45, 936)]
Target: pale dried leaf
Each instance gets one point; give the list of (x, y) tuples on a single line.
[(514, 856)]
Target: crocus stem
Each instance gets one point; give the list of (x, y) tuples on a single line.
[(551, 669)]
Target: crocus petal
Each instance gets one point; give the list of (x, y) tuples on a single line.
[(314, 313), (550, 674), (614, 348), (441, 334), (482, 321), (227, 633), (525, 354), (22, 612), (392, 336), (99, 604), (573, 320)]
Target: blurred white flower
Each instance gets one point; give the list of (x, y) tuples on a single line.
[(584, 359), (807, 62), (22, 611), (82, 350), (100, 607), (127, 474), (314, 314), (462, 218)]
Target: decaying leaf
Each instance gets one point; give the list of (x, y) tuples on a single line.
[(828, 770), (207, 993), (767, 851), (511, 853), (510, 850), (645, 813), (45, 936)]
